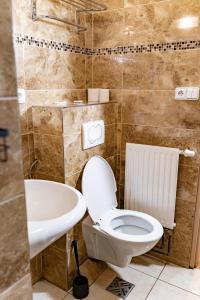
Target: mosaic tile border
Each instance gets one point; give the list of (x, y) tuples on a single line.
[(42, 43), (148, 48)]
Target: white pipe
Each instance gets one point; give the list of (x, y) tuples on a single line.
[(188, 153)]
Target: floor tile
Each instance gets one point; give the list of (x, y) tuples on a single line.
[(187, 279), (44, 290), (165, 291), (92, 269), (147, 265), (143, 284)]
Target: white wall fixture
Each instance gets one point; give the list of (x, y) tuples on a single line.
[(187, 93), (93, 134), (21, 96)]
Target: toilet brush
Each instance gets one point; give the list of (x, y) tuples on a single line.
[(80, 283)]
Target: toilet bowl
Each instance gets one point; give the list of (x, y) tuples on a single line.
[(113, 235)]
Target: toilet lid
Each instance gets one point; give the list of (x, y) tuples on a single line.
[(99, 187)]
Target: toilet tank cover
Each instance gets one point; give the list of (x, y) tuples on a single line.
[(99, 187)]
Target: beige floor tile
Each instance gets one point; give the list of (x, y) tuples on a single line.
[(187, 279), (148, 265), (143, 283), (92, 269), (44, 290), (165, 291)]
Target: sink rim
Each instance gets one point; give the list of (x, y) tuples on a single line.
[(43, 233), (81, 201)]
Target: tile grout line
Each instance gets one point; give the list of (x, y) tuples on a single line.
[(178, 287)]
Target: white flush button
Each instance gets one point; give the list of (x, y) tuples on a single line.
[(193, 93), (93, 134), (181, 93)]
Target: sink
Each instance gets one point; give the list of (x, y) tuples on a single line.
[(52, 209)]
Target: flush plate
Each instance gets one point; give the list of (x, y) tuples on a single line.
[(93, 134)]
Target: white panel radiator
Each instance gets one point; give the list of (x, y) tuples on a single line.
[(151, 181)]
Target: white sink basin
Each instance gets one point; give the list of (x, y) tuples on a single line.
[(52, 209)]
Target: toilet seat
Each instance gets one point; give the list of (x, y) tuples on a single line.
[(99, 189), (154, 232)]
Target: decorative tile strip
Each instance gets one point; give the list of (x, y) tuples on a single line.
[(148, 48), (41, 43)]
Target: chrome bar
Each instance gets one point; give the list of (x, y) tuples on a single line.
[(75, 3), (80, 5), (80, 28)]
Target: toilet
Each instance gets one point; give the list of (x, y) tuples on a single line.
[(113, 235)]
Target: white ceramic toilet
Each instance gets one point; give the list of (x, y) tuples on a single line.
[(113, 235)]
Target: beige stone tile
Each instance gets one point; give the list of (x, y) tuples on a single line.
[(23, 118), (14, 257), (130, 3), (7, 62), (49, 152), (107, 72), (68, 69), (88, 32), (11, 174), (148, 265), (165, 291), (75, 157), (49, 97), (19, 61), (108, 29), (158, 21), (44, 290), (21, 290), (54, 266), (92, 269), (47, 120), (187, 279), (74, 180), (49, 177), (188, 183), (147, 71), (74, 117), (182, 237), (51, 30), (36, 268), (137, 108), (25, 153), (113, 4), (88, 71)]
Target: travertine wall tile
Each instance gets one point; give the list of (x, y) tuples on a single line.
[(55, 267), (53, 69), (107, 72), (108, 29), (52, 30), (138, 105), (74, 117), (14, 256), (47, 120), (19, 291), (7, 62), (36, 268), (75, 157), (11, 180), (49, 152)]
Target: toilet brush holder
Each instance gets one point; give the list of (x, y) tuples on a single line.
[(80, 283)]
